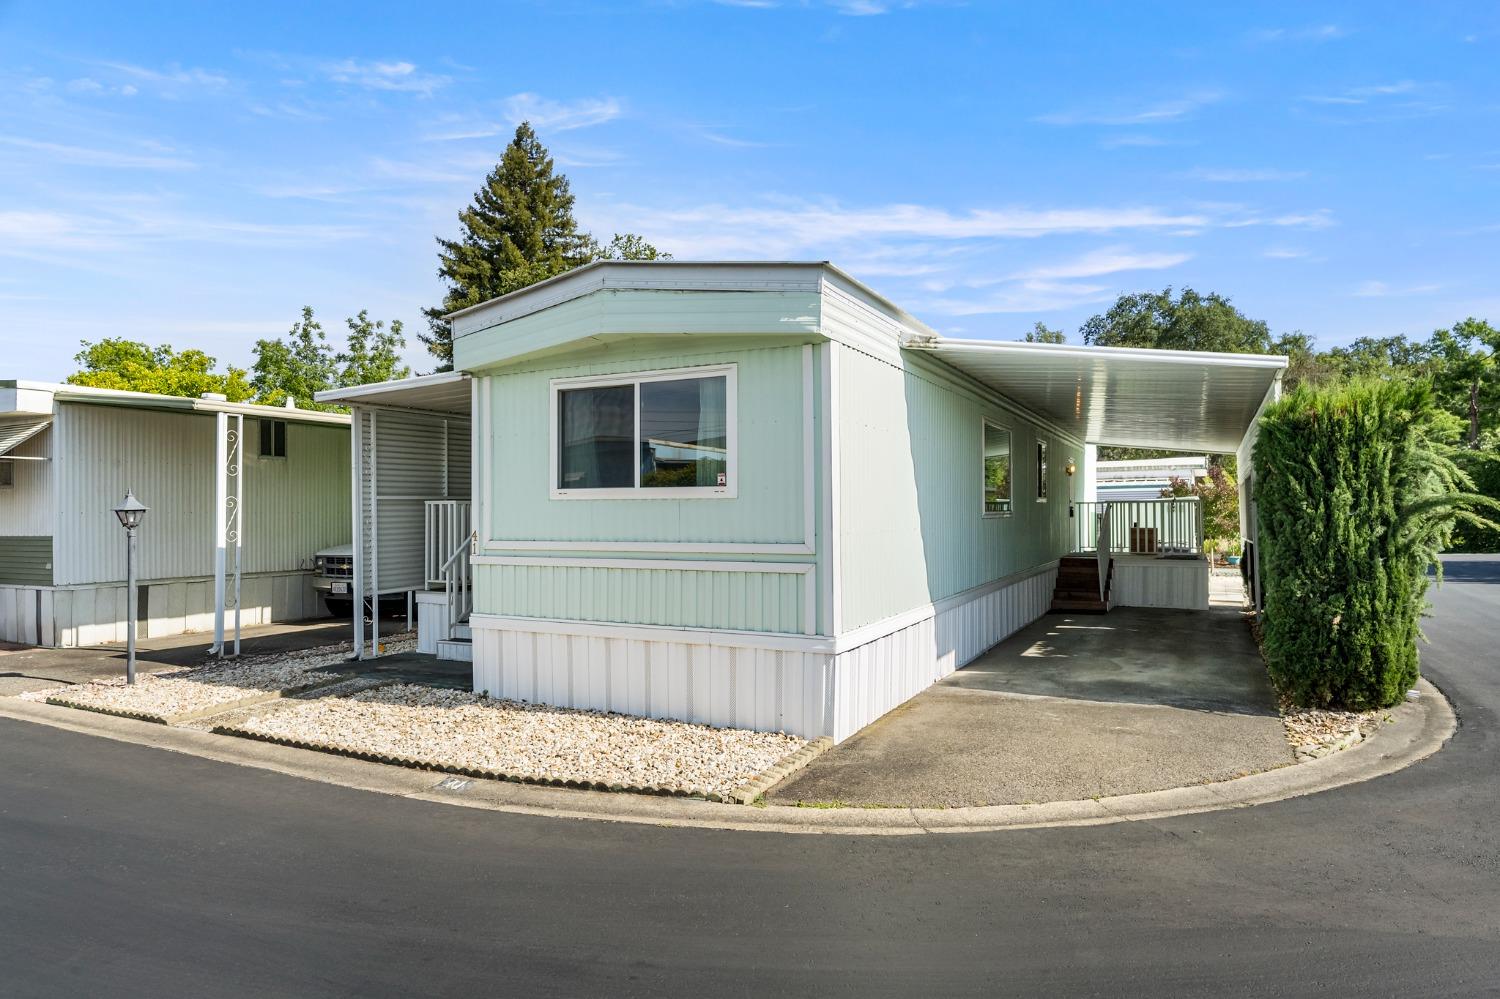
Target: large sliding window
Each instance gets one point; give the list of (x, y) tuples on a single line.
[(663, 433)]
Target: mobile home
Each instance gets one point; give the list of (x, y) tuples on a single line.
[(263, 485)]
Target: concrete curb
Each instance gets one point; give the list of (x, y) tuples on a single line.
[(1412, 737)]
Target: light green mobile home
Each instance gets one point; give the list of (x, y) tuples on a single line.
[(760, 494)]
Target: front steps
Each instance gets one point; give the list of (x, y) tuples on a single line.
[(1077, 589), (459, 647)]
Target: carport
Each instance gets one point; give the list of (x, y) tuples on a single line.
[(1171, 399)]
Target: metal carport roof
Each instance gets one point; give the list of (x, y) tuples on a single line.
[(442, 392), (1176, 399)]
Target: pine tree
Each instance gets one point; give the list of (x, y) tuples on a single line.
[(519, 230)]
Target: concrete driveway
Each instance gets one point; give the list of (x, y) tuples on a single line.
[(27, 667), (1071, 707)]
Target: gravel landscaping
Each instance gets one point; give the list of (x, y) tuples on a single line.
[(1314, 732), (187, 691), (457, 730)]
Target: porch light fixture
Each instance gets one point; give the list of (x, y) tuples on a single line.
[(1070, 467), (131, 512)]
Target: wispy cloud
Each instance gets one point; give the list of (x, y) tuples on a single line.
[(1141, 140), (562, 116), (1365, 94), (1379, 289), (850, 8), (398, 76), (1155, 113), (1285, 253), (1308, 33), (1241, 176), (720, 139), (1108, 260), (173, 81), (544, 113), (56, 152)]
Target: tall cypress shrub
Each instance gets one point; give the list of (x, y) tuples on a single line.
[(1355, 503)]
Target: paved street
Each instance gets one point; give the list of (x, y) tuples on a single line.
[(132, 871)]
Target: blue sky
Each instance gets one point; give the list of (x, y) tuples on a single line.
[(193, 174)]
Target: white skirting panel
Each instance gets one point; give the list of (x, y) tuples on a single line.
[(887, 671), (71, 616), (744, 680), (714, 684), (1160, 582), (432, 620)]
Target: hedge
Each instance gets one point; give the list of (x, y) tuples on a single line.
[(1355, 503)]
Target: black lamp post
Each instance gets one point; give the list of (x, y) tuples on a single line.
[(131, 512)]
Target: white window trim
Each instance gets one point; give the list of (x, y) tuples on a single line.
[(985, 423), (285, 439), (1042, 473), (636, 378)]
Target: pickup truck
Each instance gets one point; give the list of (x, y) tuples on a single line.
[(333, 576)]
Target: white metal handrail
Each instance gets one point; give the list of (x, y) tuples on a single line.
[(1102, 533), (454, 576), (447, 525), (1140, 527)]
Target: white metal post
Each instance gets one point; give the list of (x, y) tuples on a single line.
[(357, 494), (221, 422), (374, 538), (239, 518)]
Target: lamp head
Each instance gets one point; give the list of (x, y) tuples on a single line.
[(131, 511), (1070, 467)]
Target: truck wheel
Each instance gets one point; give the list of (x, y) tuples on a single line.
[(339, 606)]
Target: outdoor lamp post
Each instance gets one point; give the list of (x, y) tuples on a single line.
[(131, 512)]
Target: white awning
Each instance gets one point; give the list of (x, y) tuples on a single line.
[(15, 432), (1176, 399), (443, 392)]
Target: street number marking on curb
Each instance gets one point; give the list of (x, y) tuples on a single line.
[(454, 784)]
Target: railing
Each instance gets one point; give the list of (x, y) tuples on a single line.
[(454, 574), (447, 526), (1101, 534), (1139, 527)]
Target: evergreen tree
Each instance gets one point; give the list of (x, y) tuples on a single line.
[(519, 230), (296, 367)]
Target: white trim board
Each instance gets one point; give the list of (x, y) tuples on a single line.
[(688, 565), (772, 640)]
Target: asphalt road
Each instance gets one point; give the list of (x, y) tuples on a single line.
[(128, 871)]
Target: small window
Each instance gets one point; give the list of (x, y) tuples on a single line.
[(273, 438), (654, 431), (1041, 471), (7, 474), (996, 470)]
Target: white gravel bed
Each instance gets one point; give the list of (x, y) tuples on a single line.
[(537, 741), (181, 691)]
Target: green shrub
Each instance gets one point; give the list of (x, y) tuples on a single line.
[(1355, 503)]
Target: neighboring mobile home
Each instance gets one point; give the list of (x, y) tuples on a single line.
[(68, 454), (762, 495)]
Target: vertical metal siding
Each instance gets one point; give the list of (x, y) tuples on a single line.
[(26, 508), (912, 529), (293, 506), (415, 457), (719, 685)]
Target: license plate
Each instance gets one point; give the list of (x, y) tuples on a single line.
[(340, 587)]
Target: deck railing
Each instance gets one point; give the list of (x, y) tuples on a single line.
[(447, 526), (1140, 527), (457, 581), (1101, 535)]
